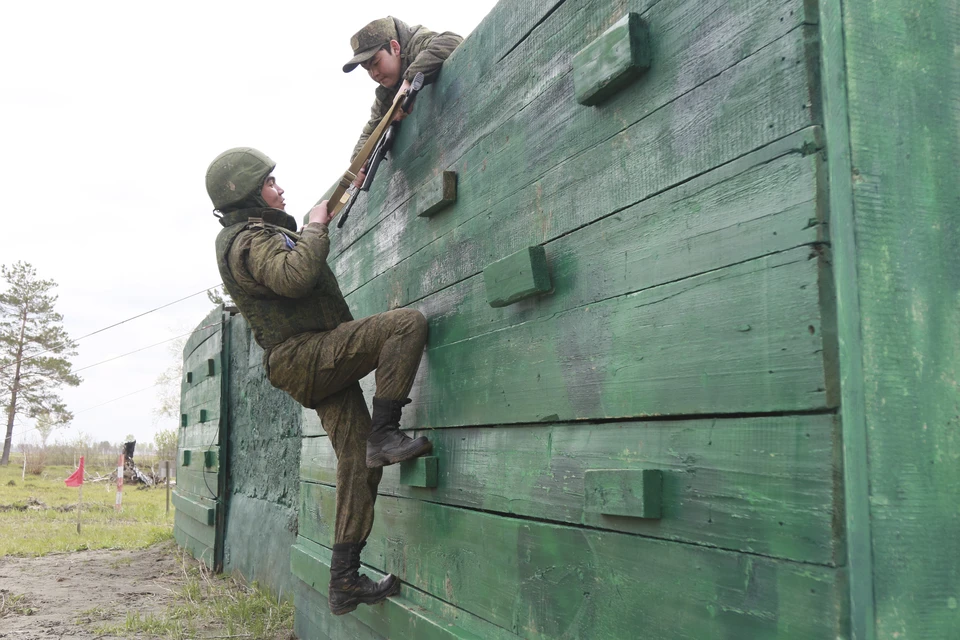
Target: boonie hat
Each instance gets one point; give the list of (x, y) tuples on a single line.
[(367, 41)]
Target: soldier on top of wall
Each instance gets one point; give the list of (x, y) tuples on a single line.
[(315, 351), (392, 53)]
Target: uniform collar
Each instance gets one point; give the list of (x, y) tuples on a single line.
[(270, 216)]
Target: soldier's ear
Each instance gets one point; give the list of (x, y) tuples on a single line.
[(394, 47)]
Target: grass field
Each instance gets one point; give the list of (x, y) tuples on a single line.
[(38, 514)]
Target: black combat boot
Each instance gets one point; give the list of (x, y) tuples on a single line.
[(348, 588), (387, 444)]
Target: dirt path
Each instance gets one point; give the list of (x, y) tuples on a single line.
[(67, 595)]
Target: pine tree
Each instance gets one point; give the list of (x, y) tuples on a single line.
[(34, 350)]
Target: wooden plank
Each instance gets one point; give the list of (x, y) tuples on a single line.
[(313, 620), (395, 618), (521, 275), (631, 493), (199, 531), (543, 581), (312, 561), (197, 549), (199, 483), (196, 436), (468, 124), (203, 510), (612, 61), (207, 331), (761, 485), (199, 458), (759, 204), (701, 345), (437, 195), (896, 159), (421, 472)]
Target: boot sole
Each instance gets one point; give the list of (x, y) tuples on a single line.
[(352, 605), (384, 460)]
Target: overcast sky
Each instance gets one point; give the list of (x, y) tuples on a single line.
[(111, 112)]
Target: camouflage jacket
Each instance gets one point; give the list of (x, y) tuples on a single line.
[(283, 286), (421, 50)]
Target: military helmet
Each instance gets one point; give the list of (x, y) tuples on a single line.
[(237, 175)]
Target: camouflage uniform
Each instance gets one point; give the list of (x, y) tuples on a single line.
[(313, 348), (421, 50)]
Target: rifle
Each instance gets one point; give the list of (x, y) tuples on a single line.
[(372, 153)]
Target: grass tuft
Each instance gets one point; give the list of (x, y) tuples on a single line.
[(224, 606)]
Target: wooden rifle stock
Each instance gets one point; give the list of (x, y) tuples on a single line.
[(372, 153)]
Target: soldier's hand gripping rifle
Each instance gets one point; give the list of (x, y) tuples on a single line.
[(372, 153)]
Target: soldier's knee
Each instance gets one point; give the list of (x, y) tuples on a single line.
[(413, 323)]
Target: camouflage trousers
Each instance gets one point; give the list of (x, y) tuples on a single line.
[(390, 343)]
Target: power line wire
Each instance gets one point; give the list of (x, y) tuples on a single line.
[(130, 353), (116, 324)]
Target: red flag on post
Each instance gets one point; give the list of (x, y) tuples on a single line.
[(76, 479)]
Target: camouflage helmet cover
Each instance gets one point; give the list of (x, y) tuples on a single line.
[(237, 174)]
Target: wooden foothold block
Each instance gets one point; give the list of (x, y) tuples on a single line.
[(211, 367), (203, 415), (437, 194), (185, 458), (518, 276), (183, 419), (612, 61), (635, 493), (419, 472), (209, 458)]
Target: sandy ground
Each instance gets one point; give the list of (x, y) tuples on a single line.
[(64, 588)]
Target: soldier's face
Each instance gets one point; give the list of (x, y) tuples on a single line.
[(384, 68), (272, 194)]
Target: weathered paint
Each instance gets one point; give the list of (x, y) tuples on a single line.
[(612, 61)]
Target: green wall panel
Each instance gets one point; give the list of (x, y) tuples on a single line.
[(546, 581), (761, 485)]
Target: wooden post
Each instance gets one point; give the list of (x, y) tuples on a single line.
[(23, 475), (79, 502), (167, 465)]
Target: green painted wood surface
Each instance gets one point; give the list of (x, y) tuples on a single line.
[(311, 622), (203, 510), (545, 581), (765, 486), (463, 621), (200, 436), (612, 61), (741, 339), (856, 481), (208, 329), (199, 457), (437, 195), (421, 472), (197, 483), (571, 132), (473, 119), (197, 549), (521, 275), (396, 618), (199, 531), (902, 87), (631, 493)]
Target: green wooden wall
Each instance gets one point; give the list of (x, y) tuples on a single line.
[(689, 327), (198, 496), (723, 292)]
